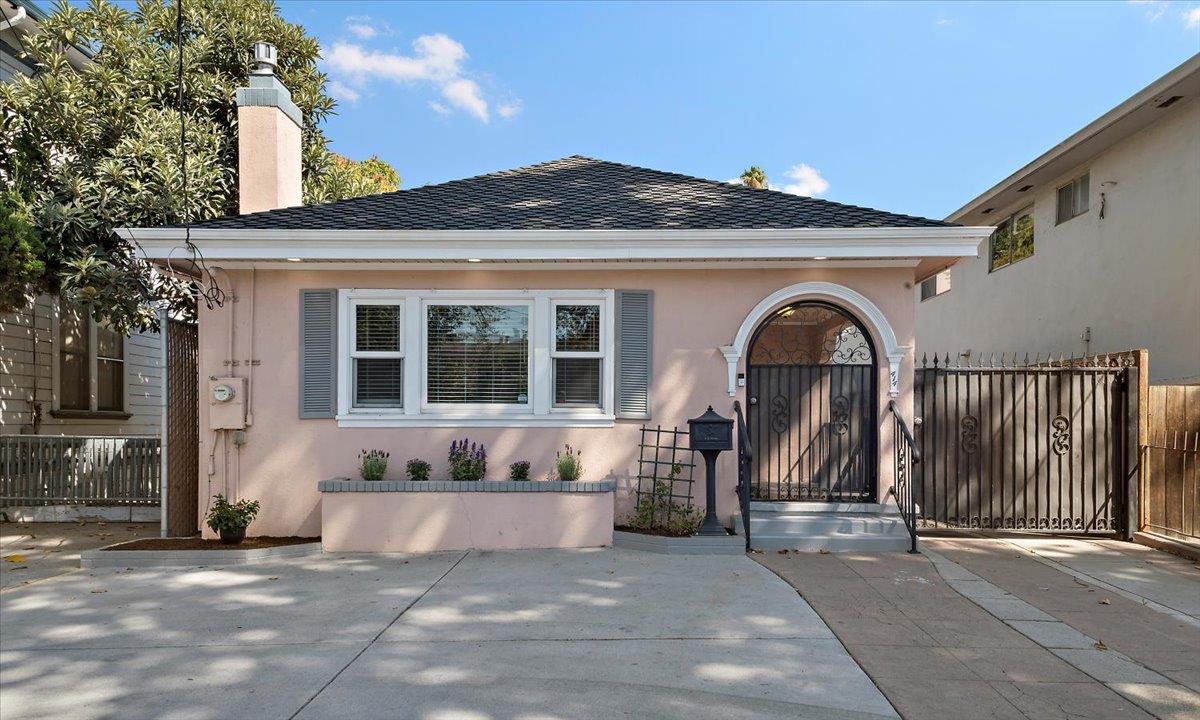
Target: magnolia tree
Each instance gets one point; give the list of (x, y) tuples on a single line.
[(85, 151)]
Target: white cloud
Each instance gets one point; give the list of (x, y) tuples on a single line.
[(805, 180), (509, 110), (1191, 18), (365, 27), (944, 22), (437, 59), (439, 108), (466, 95), (1155, 9), (342, 91)]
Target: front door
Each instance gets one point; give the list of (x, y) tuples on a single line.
[(811, 388)]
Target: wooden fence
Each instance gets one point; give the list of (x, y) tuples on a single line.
[(74, 470), (1170, 462)]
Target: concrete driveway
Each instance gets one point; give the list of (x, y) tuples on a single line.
[(532, 635)]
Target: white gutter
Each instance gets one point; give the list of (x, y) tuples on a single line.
[(451, 245)]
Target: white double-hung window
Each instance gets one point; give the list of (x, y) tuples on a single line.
[(377, 354), (475, 358)]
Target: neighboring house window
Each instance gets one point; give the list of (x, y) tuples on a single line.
[(91, 364), (1013, 239), (74, 378), (377, 354), (537, 357), (1073, 198), (935, 285)]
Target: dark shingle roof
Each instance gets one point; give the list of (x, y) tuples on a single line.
[(574, 193)]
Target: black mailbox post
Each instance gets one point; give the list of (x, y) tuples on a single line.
[(711, 434)]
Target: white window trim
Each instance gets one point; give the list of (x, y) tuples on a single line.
[(93, 372), (602, 353), (416, 412)]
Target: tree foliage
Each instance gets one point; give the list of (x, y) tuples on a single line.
[(85, 151), (754, 177)]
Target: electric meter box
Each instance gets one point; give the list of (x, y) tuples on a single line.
[(227, 403)]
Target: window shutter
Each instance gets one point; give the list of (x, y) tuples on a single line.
[(634, 326), (318, 353)]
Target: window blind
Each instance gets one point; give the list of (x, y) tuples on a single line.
[(577, 381), (577, 328), (378, 380), (477, 354), (73, 390)]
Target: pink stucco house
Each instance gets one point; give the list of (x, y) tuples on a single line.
[(569, 302)]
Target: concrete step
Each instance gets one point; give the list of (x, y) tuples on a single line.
[(804, 524), (823, 507), (836, 543), (800, 526)]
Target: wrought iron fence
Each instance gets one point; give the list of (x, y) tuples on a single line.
[(75, 470), (1023, 444), (906, 456), (745, 457)]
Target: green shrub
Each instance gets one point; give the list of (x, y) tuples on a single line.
[(519, 470), (226, 516), (658, 512), (418, 470)]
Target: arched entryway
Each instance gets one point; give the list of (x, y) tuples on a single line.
[(812, 392)]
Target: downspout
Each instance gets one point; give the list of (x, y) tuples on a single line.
[(163, 478)]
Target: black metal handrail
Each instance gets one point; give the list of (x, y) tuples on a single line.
[(906, 456), (745, 456)]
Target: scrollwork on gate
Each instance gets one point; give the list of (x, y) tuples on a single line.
[(1062, 435), (781, 414), (969, 435), (839, 415)]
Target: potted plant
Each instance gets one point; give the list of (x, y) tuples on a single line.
[(569, 465), (230, 520), (519, 470), (418, 470), (468, 461), (373, 464)]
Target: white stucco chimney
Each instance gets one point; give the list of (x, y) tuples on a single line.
[(268, 139)]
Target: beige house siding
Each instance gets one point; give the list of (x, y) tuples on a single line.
[(27, 353), (1133, 277)]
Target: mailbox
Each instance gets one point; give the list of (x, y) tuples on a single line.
[(710, 431), (710, 435)]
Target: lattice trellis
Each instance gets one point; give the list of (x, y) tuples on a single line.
[(666, 465)]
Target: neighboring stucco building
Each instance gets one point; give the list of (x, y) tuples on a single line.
[(565, 303), (61, 374), (1097, 248)]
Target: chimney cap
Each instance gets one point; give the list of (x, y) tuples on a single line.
[(266, 58)]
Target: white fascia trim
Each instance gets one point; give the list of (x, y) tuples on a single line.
[(450, 245), (441, 420)]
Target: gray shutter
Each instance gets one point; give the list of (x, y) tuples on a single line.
[(318, 353), (635, 311)]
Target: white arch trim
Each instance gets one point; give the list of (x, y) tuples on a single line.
[(867, 310)]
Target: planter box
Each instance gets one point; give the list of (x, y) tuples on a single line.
[(431, 516), (695, 545), (192, 558)]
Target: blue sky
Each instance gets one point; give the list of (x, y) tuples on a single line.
[(907, 107)]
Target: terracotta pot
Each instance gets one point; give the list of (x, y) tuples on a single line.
[(233, 536)]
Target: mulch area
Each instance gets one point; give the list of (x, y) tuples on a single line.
[(196, 543)]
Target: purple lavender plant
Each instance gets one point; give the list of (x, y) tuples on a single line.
[(468, 461)]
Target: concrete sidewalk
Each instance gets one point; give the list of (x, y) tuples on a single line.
[(936, 654), (489, 636), (35, 551), (1127, 610)]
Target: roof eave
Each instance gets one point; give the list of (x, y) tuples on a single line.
[(457, 245)]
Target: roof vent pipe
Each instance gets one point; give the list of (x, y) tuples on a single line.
[(266, 58)]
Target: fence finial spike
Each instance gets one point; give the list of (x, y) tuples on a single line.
[(924, 359), (935, 360), (1026, 358), (947, 359), (1003, 359)]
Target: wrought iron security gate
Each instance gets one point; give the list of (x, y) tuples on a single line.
[(811, 387), (1022, 447)]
